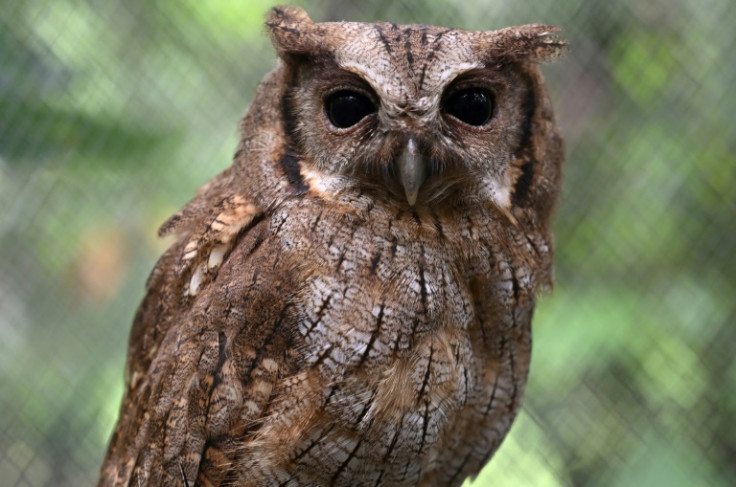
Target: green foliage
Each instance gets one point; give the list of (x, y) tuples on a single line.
[(112, 113)]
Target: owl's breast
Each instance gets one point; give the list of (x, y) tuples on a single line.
[(403, 332), (375, 286)]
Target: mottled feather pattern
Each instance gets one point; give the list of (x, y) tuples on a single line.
[(311, 326)]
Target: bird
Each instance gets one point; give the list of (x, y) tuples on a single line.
[(350, 302)]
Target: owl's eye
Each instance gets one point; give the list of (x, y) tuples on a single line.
[(346, 108), (473, 106)]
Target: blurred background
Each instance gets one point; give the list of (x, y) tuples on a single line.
[(113, 112)]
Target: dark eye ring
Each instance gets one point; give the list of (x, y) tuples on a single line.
[(345, 108), (473, 106)]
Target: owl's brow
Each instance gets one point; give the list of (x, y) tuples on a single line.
[(393, 45), (382, 37), (431, 53)]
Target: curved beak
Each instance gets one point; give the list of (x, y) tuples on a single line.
[(411, 170)]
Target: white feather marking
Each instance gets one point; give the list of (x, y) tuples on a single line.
[(262, 387), (196, 281), (376, 311), (216, 256), (450, 73), (251, 408), (189, 256), (322, 184), (270, 365)]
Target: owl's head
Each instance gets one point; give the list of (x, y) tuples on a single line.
[(424, 114)]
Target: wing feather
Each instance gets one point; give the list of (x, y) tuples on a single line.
[(202, 368)]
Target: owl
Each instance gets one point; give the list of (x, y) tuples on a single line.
[(349, 303)]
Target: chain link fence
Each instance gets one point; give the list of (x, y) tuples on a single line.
[(113, 112)]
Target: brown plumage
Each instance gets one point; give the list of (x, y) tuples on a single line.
[(350, 302)]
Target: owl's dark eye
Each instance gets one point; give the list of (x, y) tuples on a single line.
[(346, 108), (473, 106)]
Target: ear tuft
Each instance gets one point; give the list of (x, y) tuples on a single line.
[(292, 31), (285, 15), (533, 42)]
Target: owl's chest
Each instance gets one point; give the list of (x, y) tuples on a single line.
[(370, 287), (399, 327)]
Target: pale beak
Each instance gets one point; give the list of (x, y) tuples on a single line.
[(411, 171)]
